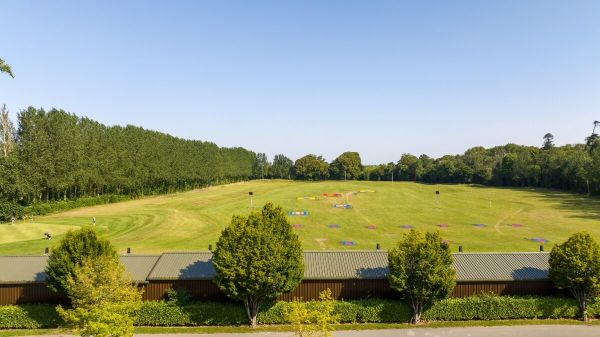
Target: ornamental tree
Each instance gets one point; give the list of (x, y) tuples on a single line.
[(258, 258), (73, 249), (104, 298), (421, 270), (575, 265)]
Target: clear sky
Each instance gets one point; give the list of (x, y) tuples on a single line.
[(296, 77)]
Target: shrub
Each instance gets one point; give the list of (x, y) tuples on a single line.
[(158, 313), (488, 307), (43, 208), (179, 297), (10, 209), (34, 316)]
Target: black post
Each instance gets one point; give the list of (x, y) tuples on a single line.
[(377, 247), (46, 251), (460, 249), (541, 248), (128, 250), (210, 247)]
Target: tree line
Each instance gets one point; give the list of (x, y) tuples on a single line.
[(55, 155), (570, 167)]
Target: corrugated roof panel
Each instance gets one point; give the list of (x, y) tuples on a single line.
[(501, 266), (345, 265), (183, 266), (22, 269), (138, 266), (323, 265)]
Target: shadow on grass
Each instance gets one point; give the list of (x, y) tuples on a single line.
[(587, 207)]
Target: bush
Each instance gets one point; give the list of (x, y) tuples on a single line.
[(34, 316), (501, 307), (43, 208), (10, 209), (179, 296), (158, 313)]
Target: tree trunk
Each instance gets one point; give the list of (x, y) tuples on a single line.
[(252, 306), (417, 312)]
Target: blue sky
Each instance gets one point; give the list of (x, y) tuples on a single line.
[(296, 77)]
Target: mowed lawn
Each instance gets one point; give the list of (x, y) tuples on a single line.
[(193, 220)]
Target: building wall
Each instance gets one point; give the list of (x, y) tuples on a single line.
[(201, 290), (466, 289), (341, 289), (28, 293), (206, 290)]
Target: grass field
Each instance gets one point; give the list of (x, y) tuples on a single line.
[(192, 220)]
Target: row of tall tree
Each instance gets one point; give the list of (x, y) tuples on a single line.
[(55, 155), (569, 167)]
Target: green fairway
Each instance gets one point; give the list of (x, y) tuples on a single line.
[(193, 220)]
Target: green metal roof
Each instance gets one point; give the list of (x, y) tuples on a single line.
[(22, 269), (335, 265), (318, 265), (139, 266), (183, 266), (501, 266)]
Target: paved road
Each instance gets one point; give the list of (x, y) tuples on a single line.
[(500, 331)]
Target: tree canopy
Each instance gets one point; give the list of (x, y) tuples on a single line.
[(311, 167), (574, 266), (258, 258), (421, 270), (103, 297), (347, 166), (5, 68), (73, 250)]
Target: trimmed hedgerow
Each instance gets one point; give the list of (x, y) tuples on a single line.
[(33, 316), (160, 313), (501, 308)]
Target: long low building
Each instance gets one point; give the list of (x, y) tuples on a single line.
[(349, 275)]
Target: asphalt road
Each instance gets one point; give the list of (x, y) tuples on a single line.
[(500, 331)]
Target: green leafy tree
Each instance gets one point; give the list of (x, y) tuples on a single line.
[(258, 258), (311, 167), (548, 141), (73, 250), (282, 167), (421, 270), (104, 299), (5, 68), (407, 168), (348, 165), (574, 265), (261, 166), (315, 318)]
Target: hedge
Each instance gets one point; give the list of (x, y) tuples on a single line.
[(32, 316), (43, 208), (159, 313), (371, 311)]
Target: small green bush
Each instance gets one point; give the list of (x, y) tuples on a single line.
[(34, 316), (43, 208)]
